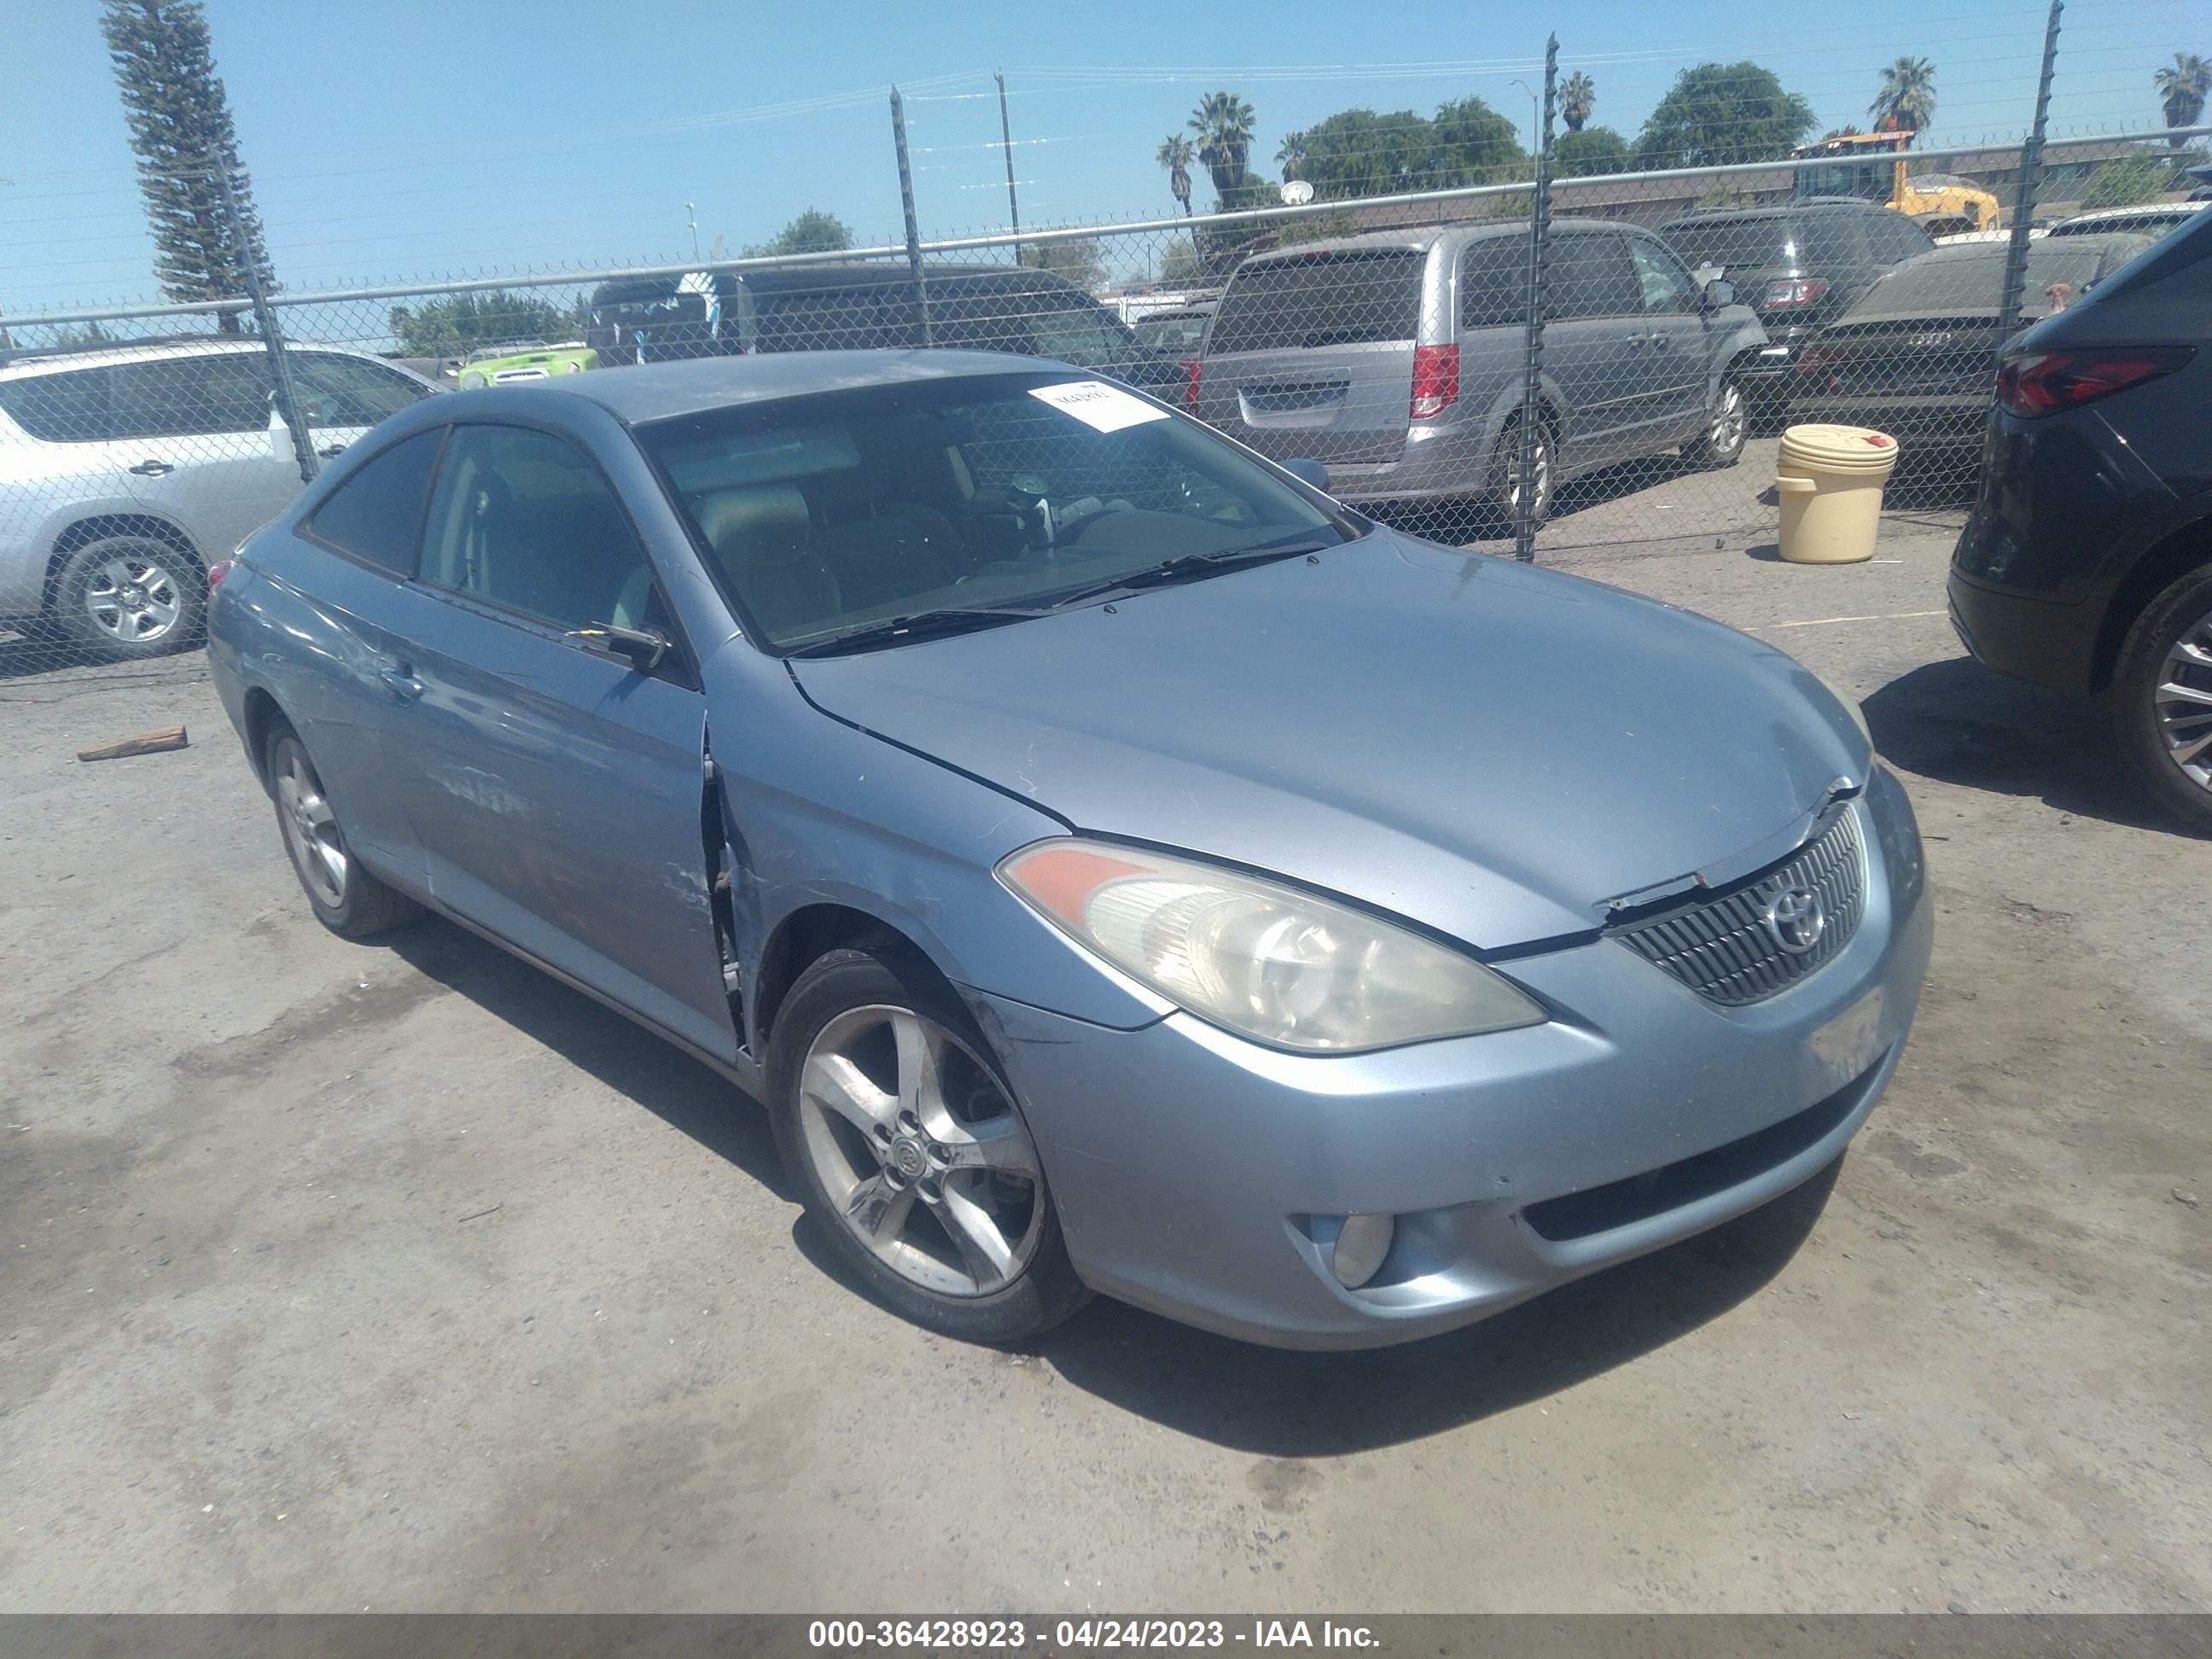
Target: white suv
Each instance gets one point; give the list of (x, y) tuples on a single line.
[(124, 473)]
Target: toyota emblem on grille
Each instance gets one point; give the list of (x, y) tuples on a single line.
[(1795, 919)]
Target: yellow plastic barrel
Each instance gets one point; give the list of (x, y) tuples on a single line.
[(1830, 480)]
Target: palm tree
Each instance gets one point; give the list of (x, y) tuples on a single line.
[(1223, 122), (2182, 89), (1175, 155), (1292, 155), (1906, 102), (1577, 98)]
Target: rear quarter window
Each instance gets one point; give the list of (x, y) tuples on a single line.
[(61, 408), (376, 515), (1349, 296)]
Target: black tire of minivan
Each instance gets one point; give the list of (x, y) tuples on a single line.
[(2183, 609)]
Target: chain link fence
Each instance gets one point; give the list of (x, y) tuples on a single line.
[(1536, 364)]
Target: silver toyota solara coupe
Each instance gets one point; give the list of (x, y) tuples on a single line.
[(1118, 866)]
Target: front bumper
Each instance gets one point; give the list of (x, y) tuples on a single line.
[(1202, 1176)]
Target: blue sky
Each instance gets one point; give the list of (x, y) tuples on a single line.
[(402, 139)]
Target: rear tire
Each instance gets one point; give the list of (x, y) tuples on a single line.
[(1505, 472), (905, 1144), (2168, 736), (123, 598), (346, 899)]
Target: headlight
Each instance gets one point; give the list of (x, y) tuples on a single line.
[(1851, 706), (1266, 960)]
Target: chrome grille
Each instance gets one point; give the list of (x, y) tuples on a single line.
[(1722, 948)]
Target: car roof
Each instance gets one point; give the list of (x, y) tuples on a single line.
[(646, 392), (2174, 210), (23, 364), (1778, 210), (876, 273), (1420, 238), (2113, 241)]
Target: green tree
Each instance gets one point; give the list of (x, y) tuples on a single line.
[(2129, 182), (1577, 98), (2182, 89), (1223, 122), (1588, 150), (1471, 143), (1180, 266), (1175, 155), (1080, 260), (1717, 113), (452, 327), (180, 127), (1290, 156), (811, 232), (1906, 101), (1356, 152)]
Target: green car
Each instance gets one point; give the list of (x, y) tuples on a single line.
[(509, 366)]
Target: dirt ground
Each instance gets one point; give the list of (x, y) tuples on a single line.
[(402, 1278)]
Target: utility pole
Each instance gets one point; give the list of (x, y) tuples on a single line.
[(1006, 137), (906, 201)]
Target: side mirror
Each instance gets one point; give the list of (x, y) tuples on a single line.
[(1307, 471), (644, 649), (1719, 293)]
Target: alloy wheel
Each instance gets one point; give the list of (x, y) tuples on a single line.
[(1729, 424), (1540, 461), (919, 1152), (133, 598), (311, 829), (2182, 703)]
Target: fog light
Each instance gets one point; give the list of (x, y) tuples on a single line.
[(1361, 1245)]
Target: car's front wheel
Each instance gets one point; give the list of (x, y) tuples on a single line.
[(126, 596), (1727, 425), (2162, 696), (910, 1152)]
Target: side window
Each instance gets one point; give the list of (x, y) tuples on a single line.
[(1078, 334), (830, 319), (525, 520), (68, 408), (1493, 282), (377, 514), (189, 396), (1590, 276), (348, 392), (1666, 286)]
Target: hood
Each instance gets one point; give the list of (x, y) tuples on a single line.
[(1490, 749)]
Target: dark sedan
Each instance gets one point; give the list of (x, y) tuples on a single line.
[(2087, 563), (1912, 356)]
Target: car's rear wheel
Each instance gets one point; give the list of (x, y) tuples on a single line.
[(1506, 473), (127, 597), (1727, 425), (346, 898), (2162, 697), (910, 1152)]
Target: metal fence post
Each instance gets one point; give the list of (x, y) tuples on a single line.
[(2031, 167), (1006, 141), (272, 338), (1532, 378), (906, 201)]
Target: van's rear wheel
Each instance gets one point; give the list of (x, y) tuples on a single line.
[(1506, 473)]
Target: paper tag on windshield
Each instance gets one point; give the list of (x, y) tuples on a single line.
[(1107, 408)]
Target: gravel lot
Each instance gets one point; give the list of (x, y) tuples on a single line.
[(403, 1278)]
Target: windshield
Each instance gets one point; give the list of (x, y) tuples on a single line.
[(1969, 277), (1735, 244), (1871, 181), (828, 515)]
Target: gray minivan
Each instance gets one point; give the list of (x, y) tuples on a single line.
[(1396, 359)]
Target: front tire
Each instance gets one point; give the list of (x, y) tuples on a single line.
[(2162, 697), (1727, 425), (906, 1146), (125, 597), (348, 900)]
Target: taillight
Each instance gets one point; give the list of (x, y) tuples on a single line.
[(216, 572), (1436, 380), (1792, 291), (2046, 382), (1193, 369)]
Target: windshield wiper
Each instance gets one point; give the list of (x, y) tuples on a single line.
[(918, 625), (1189, 566)]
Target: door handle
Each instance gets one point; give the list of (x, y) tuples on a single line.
[(1662, 341), (152, 469), (331, 452), (402, 683)]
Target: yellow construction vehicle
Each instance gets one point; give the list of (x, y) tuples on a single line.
[(1938, 202)]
